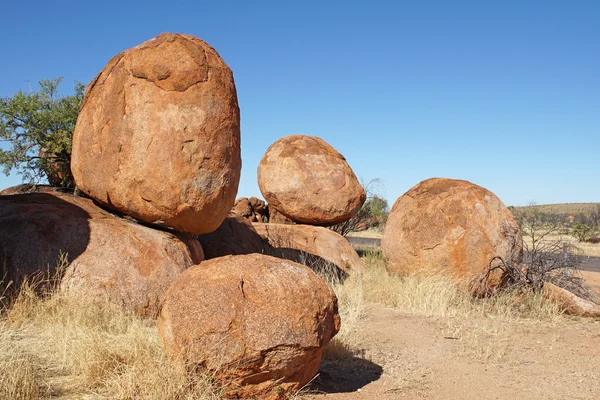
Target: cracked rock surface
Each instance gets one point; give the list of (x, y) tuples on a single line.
[(258, 323), (158, 135), (130, 264), (308, 181), (451, 226)]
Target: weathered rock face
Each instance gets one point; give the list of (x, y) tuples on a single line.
[(449, 225), (258, 323), (297, 241), (275, 217), (592, 283), (235, 236), (309, 182), (569, 302), (131, 264), (158, 136), (243, 208), (29, 188), (252, 209)]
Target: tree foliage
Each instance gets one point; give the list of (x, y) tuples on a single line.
[(373, 214), (582, 232), (36, 130)]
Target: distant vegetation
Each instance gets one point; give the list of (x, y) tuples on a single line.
[(580, 220)]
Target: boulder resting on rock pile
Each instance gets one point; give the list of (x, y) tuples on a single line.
[(158, 135), (256, 323), (308, 181)]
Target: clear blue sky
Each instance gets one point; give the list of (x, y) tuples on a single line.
[(505, 94)]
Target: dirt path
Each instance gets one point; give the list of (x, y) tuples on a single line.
[(414, 357)]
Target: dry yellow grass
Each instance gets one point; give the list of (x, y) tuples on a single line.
[(562, 208), (369, 233), (483, 326), (67, 347), (439, 296), (586, 249)]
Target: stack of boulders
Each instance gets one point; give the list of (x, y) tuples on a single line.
[(307, 182), (156, 151), (308, 185)]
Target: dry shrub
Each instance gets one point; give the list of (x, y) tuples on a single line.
[(440, 296), (66, 345)]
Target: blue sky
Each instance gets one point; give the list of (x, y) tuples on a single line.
[(504, 94)]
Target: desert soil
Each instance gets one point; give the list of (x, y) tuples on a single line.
[(404, 356)]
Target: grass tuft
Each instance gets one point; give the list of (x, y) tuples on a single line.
[(69, 346)]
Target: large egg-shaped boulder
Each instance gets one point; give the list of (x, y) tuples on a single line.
[(158, 135), (309, 182), (256, 323), (450, 226)]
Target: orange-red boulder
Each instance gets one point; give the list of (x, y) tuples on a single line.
[(309, 182), (158, 135), (243, 208), (275, 217), (452, 226), (297, 242), (256, 323), (569, 302), (30, 188), (130, 264), (235, 236), (252, 209)]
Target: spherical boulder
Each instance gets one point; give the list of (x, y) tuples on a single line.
[(256, 323), (158, 135), (450, 226), (309, 182)]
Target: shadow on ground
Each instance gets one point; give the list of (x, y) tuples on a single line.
[(345, 375)]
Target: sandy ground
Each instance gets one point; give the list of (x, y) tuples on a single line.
[(405, 356)]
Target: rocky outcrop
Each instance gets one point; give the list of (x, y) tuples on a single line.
[(309, 182), (570, 302), (30, 188), (253, 209), (451, 226), (317, 245), (591, 283), (275, 217), (158, 135), (235, 236), (131, 264), (256, 323)]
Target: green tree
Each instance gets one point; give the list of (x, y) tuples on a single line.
[(582, 232), (373, 213), (36, 130)]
